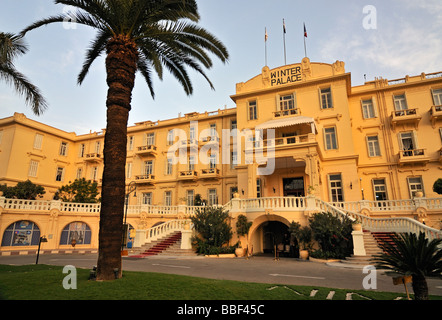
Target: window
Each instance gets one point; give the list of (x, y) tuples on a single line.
[(130, 143), (38, 141), (168, 198), (213, 198), (233, 190), (81, 150), (79, 174), (212, 161), (400, 103), (170, 137), (21, 233), (380, 189), (190, 198), (149, 139), (191, 163), (213, 132), (169, 167), (97, 147), (437, 97), (258, 188), (63, 149), (148, 167), (326, 98), (330, 138), (146, 198), (60, 174), (233, 125), (287, 102), (94, 174), (33, 166), (233, 159), (192, 134), (368, 111), (415, 185), (335, 186), (253, 110), (78, 231), (129, 170), (373, 146), (408, 144)]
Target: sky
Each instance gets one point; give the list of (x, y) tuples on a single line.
[(389, 39)]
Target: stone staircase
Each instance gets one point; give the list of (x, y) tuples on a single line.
[(372, 243), (169, 245)]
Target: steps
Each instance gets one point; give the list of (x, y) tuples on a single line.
[(170, 245), (372, 244)]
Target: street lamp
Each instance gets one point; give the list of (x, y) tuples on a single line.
[(42, 239), (132, 187)]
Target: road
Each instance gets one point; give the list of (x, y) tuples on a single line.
[(256, 269)]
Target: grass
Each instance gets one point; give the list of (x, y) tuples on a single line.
[(44, 282)]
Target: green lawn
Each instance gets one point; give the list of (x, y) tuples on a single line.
[(44, 282)]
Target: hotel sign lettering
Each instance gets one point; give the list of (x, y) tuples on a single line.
[(285, 76)]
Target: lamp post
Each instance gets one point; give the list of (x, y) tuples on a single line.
[(42, 239), (132, 187)]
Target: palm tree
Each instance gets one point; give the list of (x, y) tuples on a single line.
[(12, 46), (413, 255), (135, 35)]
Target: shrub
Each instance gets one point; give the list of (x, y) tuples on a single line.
[(333, 235), (213, 229)]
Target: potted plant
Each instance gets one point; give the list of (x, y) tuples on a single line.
[(304, 236), (242, 229), (357, 225)]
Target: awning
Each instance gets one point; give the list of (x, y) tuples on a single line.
[(286, 122)]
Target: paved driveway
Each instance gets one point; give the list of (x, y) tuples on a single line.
[(256, 269)]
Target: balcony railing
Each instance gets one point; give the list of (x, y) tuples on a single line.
[(210, 173), (284, 113), (415, 155), (147, 150), (436, 114), (405, 116), (145, 178), (188, 175), (285, 141), (93, 157)]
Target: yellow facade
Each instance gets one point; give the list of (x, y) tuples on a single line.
[(302, 129)]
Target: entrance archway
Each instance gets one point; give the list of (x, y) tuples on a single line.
[(267, 231)]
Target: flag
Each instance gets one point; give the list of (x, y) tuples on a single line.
[(305, 31), (266, 37), (283, 26)]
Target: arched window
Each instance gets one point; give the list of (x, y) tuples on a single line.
[(79, 231), (21, 233)]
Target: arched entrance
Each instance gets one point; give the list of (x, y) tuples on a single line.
[(269, 231)]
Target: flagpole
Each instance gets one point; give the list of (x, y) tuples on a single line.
[(265, 39), (284, 32), (305, 36)]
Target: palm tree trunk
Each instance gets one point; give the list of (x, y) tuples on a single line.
[(121, 63), (420, 287)]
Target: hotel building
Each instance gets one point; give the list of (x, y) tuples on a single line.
[(298, 130)]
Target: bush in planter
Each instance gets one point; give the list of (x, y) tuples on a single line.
[(213, 229), (333, 235)]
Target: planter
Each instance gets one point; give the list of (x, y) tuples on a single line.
[(303, 254), (240, 252), (357, 227)]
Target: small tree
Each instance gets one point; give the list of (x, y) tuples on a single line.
[(243, 226), (213, 229), (413, 255), (437, 186), (80, 191), (23, 190)]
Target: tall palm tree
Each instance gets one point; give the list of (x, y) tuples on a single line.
[(413, 255), (12, 46), (135, 35)]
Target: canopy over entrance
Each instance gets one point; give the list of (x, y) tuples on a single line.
[(286, 122)]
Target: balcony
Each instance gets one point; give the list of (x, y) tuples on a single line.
[(285, 113), (145, 179), (413, 156), (93, 157), (284, 142), (211, 173), (188, 144), (405, 117), (436, 114), (188, 175), (147, 150)]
